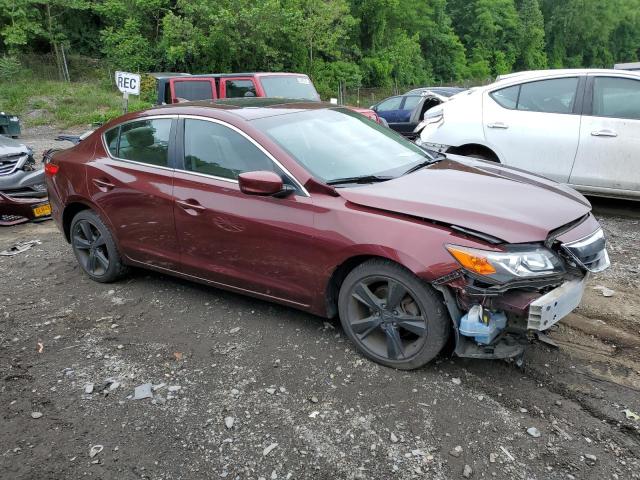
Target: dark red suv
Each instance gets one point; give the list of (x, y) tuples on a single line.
[(321, 209)]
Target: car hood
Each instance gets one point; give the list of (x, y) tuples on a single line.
[(510, 204), (10, 147)]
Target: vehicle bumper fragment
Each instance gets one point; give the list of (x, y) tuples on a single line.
[(550, 308)]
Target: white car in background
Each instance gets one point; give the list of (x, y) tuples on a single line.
[(580, 127)]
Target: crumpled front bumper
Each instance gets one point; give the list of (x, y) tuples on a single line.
[(23, 183)]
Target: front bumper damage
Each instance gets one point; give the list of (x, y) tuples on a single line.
[(16, 210), (531, 307)]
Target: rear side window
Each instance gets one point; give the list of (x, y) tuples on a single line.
[(616, 98), (146, 141), (214, 149), (193, 90), (549, 96), (240, 88)]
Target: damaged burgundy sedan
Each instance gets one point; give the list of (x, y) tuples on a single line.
[(318, 208)]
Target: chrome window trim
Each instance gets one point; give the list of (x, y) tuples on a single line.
[(139, 119), (254, 142)]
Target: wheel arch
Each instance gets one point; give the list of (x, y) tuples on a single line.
[(339, 273), (70, 211), (469, 148)]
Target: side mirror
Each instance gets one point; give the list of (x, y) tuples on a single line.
[(263, 183), (372, 107)]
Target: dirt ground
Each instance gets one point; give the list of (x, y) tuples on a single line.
[(244, 389)]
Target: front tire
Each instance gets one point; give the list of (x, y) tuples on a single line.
[(94, 248), (392, 317)]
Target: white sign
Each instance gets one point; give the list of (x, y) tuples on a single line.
[(128, 82)]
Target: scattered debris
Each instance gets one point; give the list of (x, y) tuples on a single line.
[(393, 438), (467, 472), (456, 381), (234, 330), (456, 452), (177, 356), (40, 346), (314, 399), (36, 415), (506, 452), (606, 292), (493, 457), (271, 391), (95, 450), (143, 391), (228, 422), (534, 432), (631, 415), (591, 458), (268, 450), (19, 248), (174, 388), (88, 388), (314, 414)]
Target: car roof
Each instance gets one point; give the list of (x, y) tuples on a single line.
[(444, 91), (533, 74), (246, 108)]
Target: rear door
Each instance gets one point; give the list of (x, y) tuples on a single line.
[(131, 181), (239, 87), (535, 125), (192, 89), (609, 151)]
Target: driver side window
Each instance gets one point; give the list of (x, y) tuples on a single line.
[(217, 150), (390, 104)]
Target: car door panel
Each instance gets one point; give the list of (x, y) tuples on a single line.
[(249, 242), (253, 243), (544, 142), (609, 151), (137, 193)]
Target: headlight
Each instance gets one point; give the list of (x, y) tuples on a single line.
[(519, 262)]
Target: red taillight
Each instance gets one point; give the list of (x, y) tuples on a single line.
[(51, 169)]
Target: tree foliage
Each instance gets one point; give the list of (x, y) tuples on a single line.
[(353, 42)]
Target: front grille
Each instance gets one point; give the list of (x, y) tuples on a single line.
[(10, 163), (589, 252)]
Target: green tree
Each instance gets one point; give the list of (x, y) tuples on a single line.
[(531, 46)]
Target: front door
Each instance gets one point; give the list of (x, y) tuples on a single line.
[(256, 244), (132, 185), (535, 125), (609, 152)]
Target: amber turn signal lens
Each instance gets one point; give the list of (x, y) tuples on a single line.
[(473, 263)]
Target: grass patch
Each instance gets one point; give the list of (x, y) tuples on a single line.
[(61, 104)]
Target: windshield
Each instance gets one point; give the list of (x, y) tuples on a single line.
[(338, 143), (289, 86)]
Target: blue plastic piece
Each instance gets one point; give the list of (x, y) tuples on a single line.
[(472, 324)]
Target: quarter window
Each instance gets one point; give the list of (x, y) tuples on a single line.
[(616, 97), (240, 88), (549, 96), (146, 141), (111, 138), (214, 149), (411, 102)]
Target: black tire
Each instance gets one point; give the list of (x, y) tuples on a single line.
[(415, 315), (95, 249)]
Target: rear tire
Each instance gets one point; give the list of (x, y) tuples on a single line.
[(94, 248), (392, 316)]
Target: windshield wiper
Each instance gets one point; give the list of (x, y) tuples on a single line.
[(425, 164), (360, 179)]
